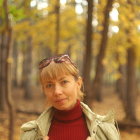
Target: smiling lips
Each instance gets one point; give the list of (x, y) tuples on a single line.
[(60, 100)]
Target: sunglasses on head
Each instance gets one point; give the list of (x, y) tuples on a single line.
[(57, 59)]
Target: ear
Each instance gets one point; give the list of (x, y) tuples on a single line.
[(79, 82)]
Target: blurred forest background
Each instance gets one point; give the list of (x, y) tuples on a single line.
[(101, 36)]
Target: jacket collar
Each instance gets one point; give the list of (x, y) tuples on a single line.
[(90, 119), (87, 111), (44, 120)]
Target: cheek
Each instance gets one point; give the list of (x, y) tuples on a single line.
[(47, 94), (74, 90), (72, 87)]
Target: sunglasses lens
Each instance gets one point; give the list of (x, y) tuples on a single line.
[(59, 59)]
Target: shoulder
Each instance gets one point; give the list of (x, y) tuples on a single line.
[(34, 129), (109, 117), (106, 128), (29, 126), (28, 130), (103, 126)]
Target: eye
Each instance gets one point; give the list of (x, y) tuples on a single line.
[(49, 85), (64, 81)]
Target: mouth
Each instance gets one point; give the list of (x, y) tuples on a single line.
[(60, 100)]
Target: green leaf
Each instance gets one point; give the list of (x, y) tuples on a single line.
[(18, 14)]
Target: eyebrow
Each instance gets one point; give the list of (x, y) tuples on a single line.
[(58, 79), (61, 78), (48, 82)]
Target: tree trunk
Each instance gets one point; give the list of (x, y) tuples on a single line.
[(68, 50), (27, 70), (57, 29), (8, 37), (98, 80), (8, 91), (88, 50), (130, 105), (131, 85), (15, 59), (2, 72), (121, 82)]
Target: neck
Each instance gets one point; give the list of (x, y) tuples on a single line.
[(71, 114)]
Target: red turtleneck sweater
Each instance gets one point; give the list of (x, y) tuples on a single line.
[(69, 125)]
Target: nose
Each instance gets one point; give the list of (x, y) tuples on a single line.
[(57, 90)]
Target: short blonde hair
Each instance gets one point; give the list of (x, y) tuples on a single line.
[(53, 70)]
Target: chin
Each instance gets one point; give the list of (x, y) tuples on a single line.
[(63, 107)]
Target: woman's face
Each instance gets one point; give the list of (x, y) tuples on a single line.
[(62, 92)]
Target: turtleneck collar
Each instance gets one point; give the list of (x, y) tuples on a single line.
[(69, 115)]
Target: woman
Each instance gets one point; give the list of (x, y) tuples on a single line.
[(67, 118)]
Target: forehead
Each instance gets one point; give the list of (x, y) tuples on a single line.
[(55, 71), (60, 77)]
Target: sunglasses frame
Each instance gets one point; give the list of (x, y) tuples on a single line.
[(57, 59)]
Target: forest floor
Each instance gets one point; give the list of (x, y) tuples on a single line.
[(110, 101)]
